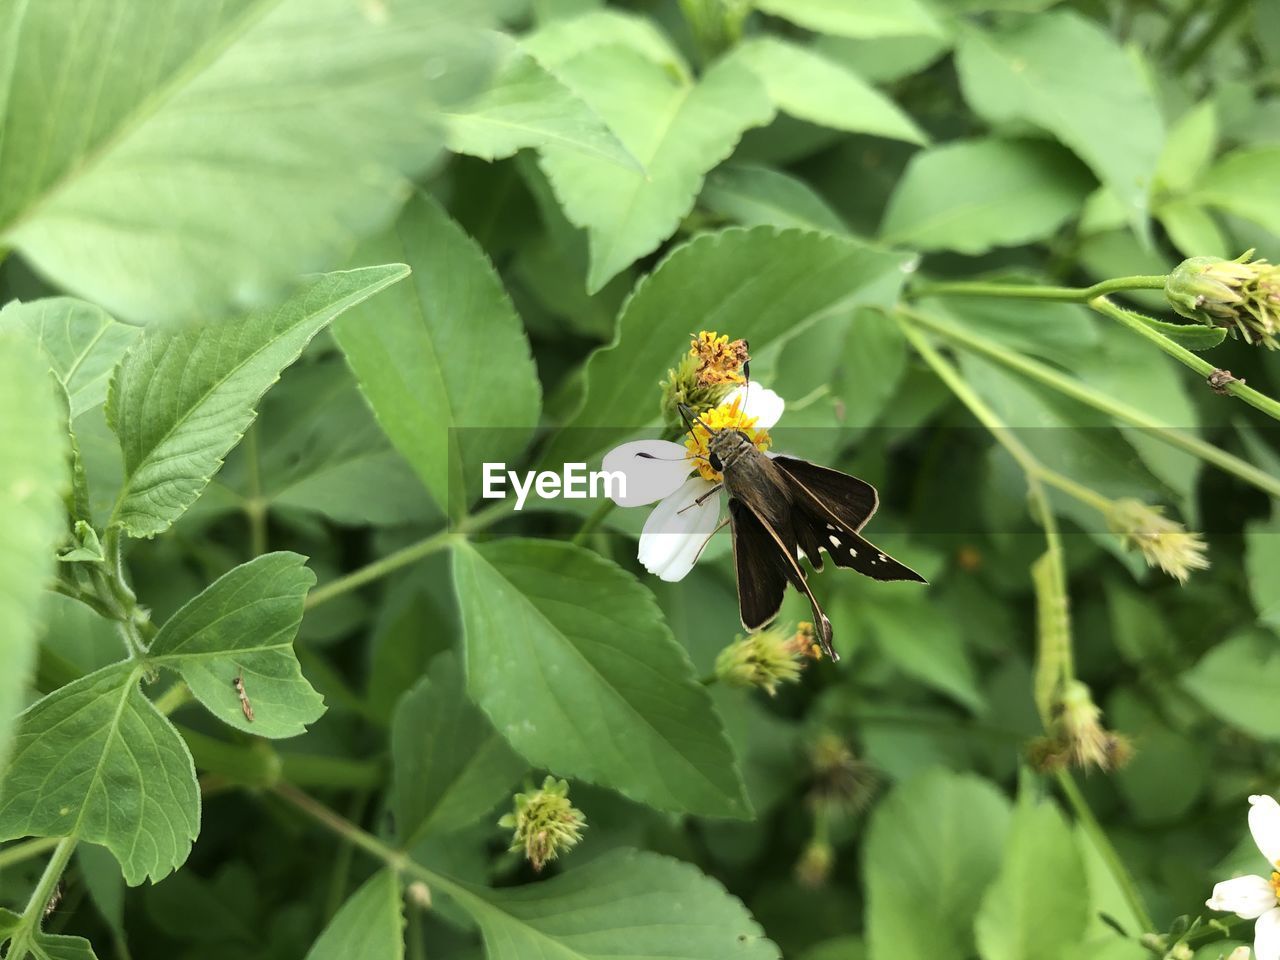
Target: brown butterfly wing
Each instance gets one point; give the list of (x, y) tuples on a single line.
[(850, 501), (760, 566), (829, 508), (764, 556)]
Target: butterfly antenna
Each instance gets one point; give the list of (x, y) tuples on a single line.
[(690, 419)]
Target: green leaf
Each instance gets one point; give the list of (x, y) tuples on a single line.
[(932, 848), (561, 40), (197, 162), (805, 84), (677, 129), (95, 760), (624, 904), (1060, 332), (883, 60), (181, 399), (243, 625), (926, 645), (1193, 229), (1244, 183), (370, 925), (33, 472), (1193, 336), (48, 946), (976, 195), (443, 360), (857, 18), (450, 767), (1168, 772), (526, 106), (1189, 149), (872, 363), (753, 195), (1022, 917), (83, 344), (1237, 681), (1261, 560), (763, 285), (572, 661), (1031, 70), (318, 448)]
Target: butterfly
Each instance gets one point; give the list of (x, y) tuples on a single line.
[(782, 508)]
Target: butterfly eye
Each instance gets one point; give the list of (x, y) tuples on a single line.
[(716, 463)]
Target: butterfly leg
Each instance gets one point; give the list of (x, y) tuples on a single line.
[(702, 499)]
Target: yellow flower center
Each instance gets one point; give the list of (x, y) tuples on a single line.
[(727, 416), (719, 358), (1275, 884)]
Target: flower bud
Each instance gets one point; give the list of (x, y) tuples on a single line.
[(1163, 542), (813, 869), (1242, 295), (766, 659), (418, 894), (545, 823)]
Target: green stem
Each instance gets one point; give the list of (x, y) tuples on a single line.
[(1124, 880), (592, 522), (380, 568), (20, 852), (1114, 408), (407, 555), (1001, 431), (338, 773), (393, 859), (173, 698), (255, 507), (341, 873), (1029, 291), (1184, 356), (1055, 659), (1229, 10), (33, 915), (344, 828)]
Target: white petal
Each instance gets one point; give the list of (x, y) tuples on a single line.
[(1246, 897), (676, 531), (653, 469), (1266, 936), (759, 402), (1264, 823)]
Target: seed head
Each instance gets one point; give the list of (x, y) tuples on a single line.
[(703, 377), (842, 784), (1077, 737), (1164, 543), (545, 823), (767, 659)]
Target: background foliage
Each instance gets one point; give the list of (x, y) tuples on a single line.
[(298, 267)]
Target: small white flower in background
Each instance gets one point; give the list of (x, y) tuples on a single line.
[(1257, 898), (677, 476)]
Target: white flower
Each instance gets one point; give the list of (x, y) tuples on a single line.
[(659, 470), (1257, 898)]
